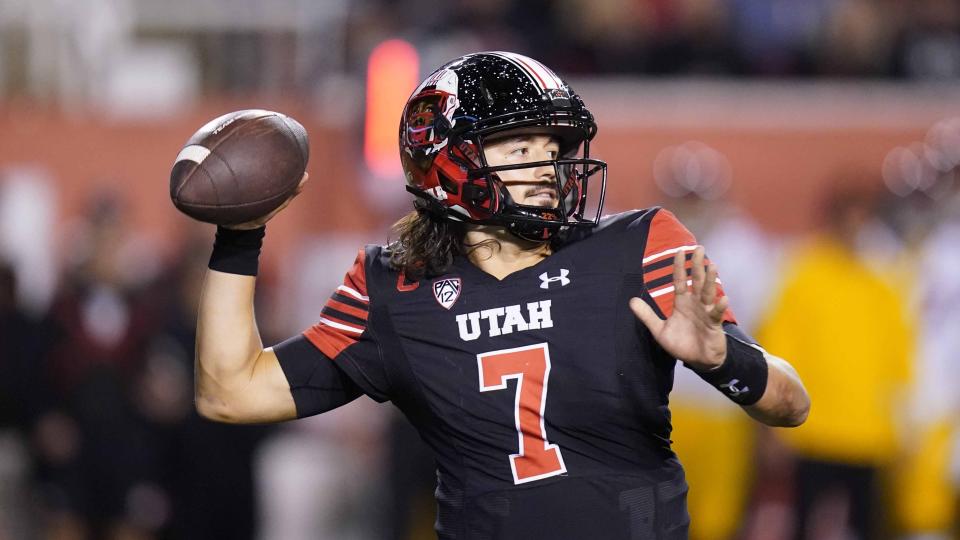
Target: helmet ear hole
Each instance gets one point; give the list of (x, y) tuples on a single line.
[(447, 183), (475, 194)]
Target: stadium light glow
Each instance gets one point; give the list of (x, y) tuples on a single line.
[(392, 73)]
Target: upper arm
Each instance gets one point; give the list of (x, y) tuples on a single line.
[(264, 397)]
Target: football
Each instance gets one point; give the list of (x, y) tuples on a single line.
[(239, 167)]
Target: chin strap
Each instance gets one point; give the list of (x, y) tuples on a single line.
[(532, 232)]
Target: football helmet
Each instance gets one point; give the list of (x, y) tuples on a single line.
[(481, 96)]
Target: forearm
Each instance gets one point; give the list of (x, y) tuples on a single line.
[(785, 402), (767, 387), (228, 342)]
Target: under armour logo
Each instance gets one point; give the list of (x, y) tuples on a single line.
[(731, 388), (562, 278)]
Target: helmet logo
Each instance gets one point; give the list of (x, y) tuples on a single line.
[(420, 124), (559, 97), (428, 116)]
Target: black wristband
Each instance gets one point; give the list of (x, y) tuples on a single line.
[(743, 375), (237, 251)]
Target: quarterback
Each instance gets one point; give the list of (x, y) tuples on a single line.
[(530, 340)]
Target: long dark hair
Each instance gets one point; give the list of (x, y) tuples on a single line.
[(426, 244)]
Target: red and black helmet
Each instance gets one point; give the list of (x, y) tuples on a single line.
[(482, 95)]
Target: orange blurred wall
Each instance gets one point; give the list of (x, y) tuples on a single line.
[(782, 152)]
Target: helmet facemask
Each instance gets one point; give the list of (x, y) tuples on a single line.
[(573, 176)]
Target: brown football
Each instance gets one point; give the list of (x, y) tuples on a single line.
[(239, 167)]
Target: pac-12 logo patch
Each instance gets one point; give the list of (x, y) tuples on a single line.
[(446, 291)]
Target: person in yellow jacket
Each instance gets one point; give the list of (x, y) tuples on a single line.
[(847, 333)]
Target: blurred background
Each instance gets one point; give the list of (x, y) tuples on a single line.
[(812, 146)]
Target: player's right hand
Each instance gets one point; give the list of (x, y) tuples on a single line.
[(694, 331), (261, 221)]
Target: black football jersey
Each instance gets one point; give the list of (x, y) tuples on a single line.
[(542, 396)]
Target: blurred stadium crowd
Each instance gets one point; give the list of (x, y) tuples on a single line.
[(52, 47), (863, 38), (98, 436)]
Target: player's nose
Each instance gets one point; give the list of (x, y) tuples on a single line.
[(545, 173)]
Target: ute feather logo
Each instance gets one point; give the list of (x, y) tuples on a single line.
[(446, 291)]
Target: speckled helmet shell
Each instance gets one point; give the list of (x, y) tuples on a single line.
[(474, 97)]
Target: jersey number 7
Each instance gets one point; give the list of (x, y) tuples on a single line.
[(530, 365)]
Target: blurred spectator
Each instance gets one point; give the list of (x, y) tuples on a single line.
[(862, 38), (96, 458), (845, 330), (693, 38), (930, 45), (21, 388), (926, 495), (777, 37), (611, 36), (856, 40)]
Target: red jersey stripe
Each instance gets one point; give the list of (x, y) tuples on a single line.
[(333, 334), (349, 310), (666, 236), (331, 341), (356, 278)]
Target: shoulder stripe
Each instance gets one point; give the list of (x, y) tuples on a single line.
[(349, 301), (661, 281), (670, 251), (362, 314), (663, 263), (335, 314), (339, 326), (343, 319), (666, 236), (353, 293)]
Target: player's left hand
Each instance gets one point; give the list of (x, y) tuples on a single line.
[(694, 331)]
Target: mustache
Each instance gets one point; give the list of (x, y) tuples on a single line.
[(533, 191)]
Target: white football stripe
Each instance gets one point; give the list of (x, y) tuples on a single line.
[(667, 252), (194, 152), (328, 322), (353, 293)]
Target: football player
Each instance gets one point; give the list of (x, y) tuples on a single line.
[(531, 341)]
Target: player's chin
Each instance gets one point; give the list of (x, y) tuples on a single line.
[(541, 201)]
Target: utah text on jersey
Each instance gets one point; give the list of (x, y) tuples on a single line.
[(504, 320)]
